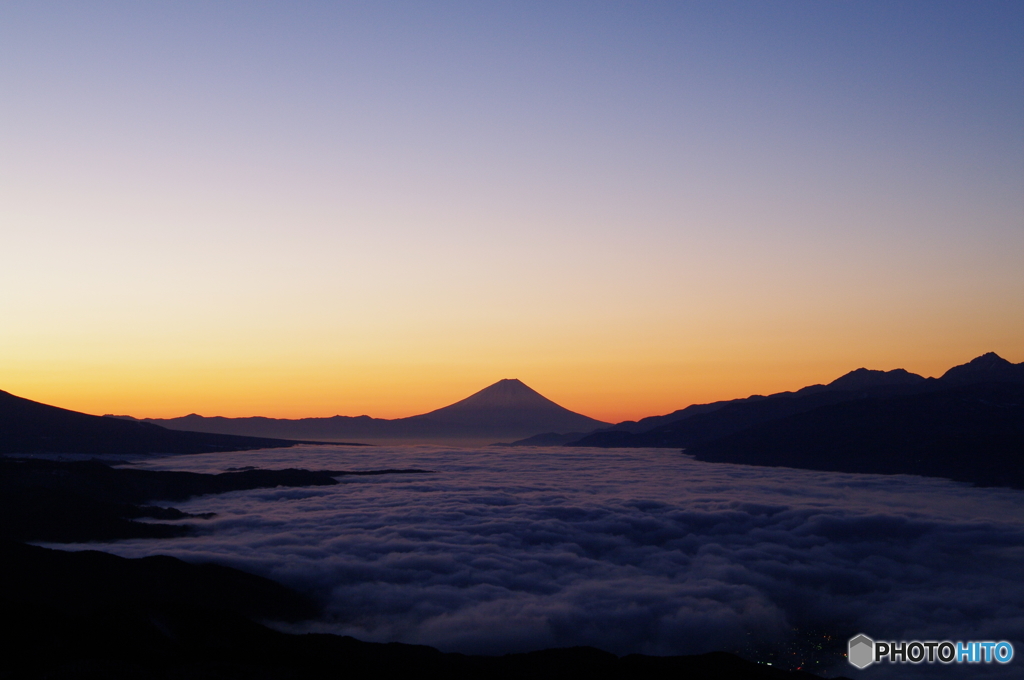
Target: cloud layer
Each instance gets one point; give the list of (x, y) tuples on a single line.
[(627, 550)]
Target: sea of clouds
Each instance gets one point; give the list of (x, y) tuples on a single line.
[(630, 550)]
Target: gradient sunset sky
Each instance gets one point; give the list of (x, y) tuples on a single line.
[(309, 208)]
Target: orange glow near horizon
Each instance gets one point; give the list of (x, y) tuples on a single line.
[(614, 393), (604, 347), (626, 345)]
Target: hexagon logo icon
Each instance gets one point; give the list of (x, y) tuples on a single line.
[(861, 651)]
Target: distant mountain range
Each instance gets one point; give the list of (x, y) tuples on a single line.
[(508, 409)]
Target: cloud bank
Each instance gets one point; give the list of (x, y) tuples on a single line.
[(626, 550)]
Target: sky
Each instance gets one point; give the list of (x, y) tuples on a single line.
[(308, 209)]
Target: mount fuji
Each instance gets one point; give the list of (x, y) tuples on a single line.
[(506, 410)]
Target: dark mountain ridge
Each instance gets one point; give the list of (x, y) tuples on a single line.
[(725, 417), (967, 425), (861, 378), (971, 433), (987, 368), (30, 427)]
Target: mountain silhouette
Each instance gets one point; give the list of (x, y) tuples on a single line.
[(864, 378), (506, 410), (505, 407), (970, 433), (31, 427), (703, 422), (860, 379), (967, 425), (987, 368)]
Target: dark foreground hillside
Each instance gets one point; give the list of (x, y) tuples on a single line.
[(94, 615), (42, 500)]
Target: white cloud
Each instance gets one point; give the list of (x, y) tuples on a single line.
[(626, 550)]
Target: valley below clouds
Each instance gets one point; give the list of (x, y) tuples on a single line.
[(629, 550)]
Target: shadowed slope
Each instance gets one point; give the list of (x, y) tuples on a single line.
[(705, 422), (967, 426), (30, 427), (860, 379), (969, 433), (987, 368)]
